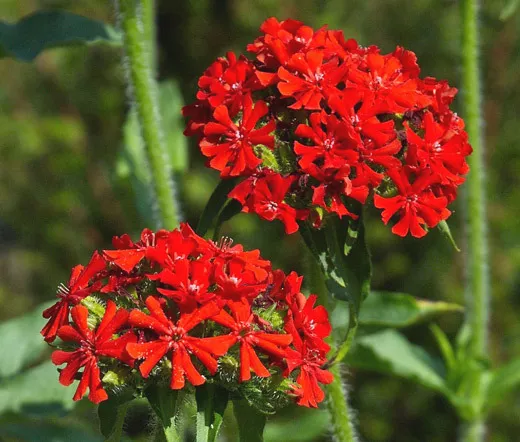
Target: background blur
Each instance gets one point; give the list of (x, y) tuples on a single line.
[(65, 188)]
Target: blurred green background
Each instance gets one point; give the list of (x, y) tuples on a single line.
[(65, 188)]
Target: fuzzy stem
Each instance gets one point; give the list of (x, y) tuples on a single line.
[(477, 284), (337, 403), (143, 94)]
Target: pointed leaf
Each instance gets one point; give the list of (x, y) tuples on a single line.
[(445, 230), (211, 405), (387, 309), (503, 380), (214, 207), (509, 9), (111, 414), (250, 422), (389, 352), (49, 29), (305, 426), (164, 402)]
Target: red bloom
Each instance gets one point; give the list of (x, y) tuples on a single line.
[(312, 323), (173, 337), (226, 81), (129, 254), (416, 204), (230, 146), (77, 289), (92, 345), (309, 361), (395, 89), (441, 149), (242, 325), (268, 202), (189, 281), (333, 147), (315, 80)]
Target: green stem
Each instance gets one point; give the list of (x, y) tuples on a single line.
[(337, 403), (477, 285), (474, 431), (143, 91)]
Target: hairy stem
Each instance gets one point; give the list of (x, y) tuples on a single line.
[(337, 404), (143, 94), (477, 284), (149, 32)]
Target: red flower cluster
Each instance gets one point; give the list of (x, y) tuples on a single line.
[(173, 303), (316, 122)]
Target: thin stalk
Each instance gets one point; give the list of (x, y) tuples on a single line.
[(477, 284), (337, 395), (143, 94), (337, 403)]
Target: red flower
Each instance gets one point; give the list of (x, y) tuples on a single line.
[(173, 337), (236, 282), (77, 289), (268, 201), (416, 204), (312, 323), (242, 325), (230, 146), (190, 282), (309, 361), (92, 345), (395, 89), (441, 149), (226, 81), (333, 146), (315, 80), (130, 254)]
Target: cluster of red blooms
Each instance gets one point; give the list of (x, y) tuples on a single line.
[(173, 303), (316, 122)]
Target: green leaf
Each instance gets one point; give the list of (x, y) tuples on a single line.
[(165, 403), (387, 309), (305, 426), (45, 431), (445, 230), (215, 205), (49, 29), (389, 352), (36, 392), (132, 162), (509, 9), (251, 422), (503, 380), (212, 401), (448, 354), (21, 341), (171, 102), (111, 414)]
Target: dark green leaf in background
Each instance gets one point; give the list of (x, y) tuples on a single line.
[(389, 352), (49, 29), (503, 380), (387, 309), (21, 342), (132, 163), (36, 392)]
